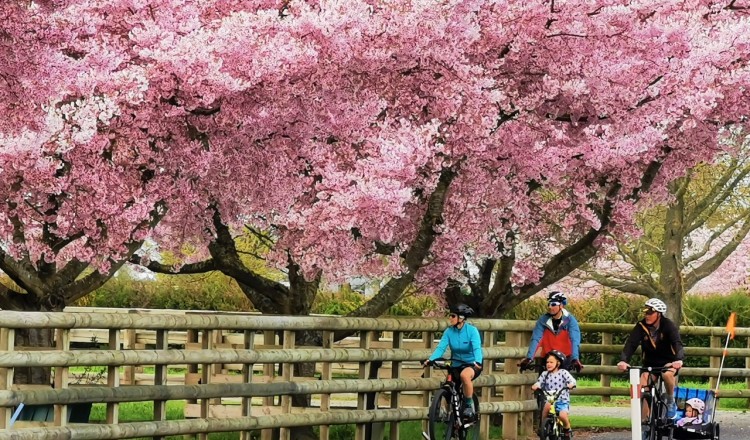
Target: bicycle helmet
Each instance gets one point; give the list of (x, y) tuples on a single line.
[(557, 296), (657, 304), (558, 355), (462, 310), (697, 404)]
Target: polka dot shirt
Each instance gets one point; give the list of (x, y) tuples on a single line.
[(555, 381)]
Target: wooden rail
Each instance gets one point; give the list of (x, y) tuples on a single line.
[(237, 358)]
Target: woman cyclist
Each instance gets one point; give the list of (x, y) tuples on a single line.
[(466, 349)]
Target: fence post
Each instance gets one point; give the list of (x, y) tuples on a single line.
[(113, 379), (747, 365), (207, 343), (62, 343), (269, 339), (287, 373), (130, 341), (427, 339), (326, 374), (605, 379), (714, 361), (510, 392), (7, 343), (488, 338), (160, 377), (247, 377), (398, 339), (365, 337)]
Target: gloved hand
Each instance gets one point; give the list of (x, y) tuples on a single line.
[(525, 364), (426, 363), (576, 365)]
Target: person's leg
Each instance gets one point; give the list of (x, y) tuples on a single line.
[(565, 419), (467, 375), (669, 384), (644, 402), (545, 411), (563, 409)]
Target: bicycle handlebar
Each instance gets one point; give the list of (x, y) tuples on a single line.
[(651, 369), (529, 366)]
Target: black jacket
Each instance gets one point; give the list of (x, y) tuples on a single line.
[(664, 347)]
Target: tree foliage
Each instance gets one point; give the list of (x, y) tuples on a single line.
[(386, 138), (688, 239)]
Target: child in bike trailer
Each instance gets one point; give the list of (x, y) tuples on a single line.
[(555, 379), (693, 412)]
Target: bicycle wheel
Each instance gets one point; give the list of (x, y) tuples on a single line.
[(548, 431), (441, 417), (470, 432)]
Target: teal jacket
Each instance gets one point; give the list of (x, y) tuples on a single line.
[(465, 344)]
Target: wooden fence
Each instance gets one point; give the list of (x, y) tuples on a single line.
[(239, 372)]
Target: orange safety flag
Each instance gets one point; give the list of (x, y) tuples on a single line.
[(731, 324)]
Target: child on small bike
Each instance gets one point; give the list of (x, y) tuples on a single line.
[(556, 379)]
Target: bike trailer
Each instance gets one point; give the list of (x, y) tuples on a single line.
[(709, 429)]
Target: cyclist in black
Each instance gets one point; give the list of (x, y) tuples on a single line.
[(661, 344)]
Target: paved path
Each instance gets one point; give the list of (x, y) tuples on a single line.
[(734, 425)]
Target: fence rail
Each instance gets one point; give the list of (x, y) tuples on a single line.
[(251, 358)]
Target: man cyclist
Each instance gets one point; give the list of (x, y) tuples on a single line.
[(661, 344), (556, 330), (466, 349)]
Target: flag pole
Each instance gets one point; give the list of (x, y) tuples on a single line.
[(731, 323), (721, 366)]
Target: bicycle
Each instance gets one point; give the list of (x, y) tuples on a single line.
[(538, 366), (553, 427), (444, 418), (656, 425)]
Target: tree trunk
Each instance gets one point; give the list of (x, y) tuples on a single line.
[(43, 338), (670, 278)]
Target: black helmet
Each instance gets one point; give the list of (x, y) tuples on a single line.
[(557, 296), (557, 354), (462, 310)]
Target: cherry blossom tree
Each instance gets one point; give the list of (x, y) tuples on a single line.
[(383, 138)]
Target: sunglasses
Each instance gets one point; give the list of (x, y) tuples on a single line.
[(553, 304), (453, 315), (649, 311)]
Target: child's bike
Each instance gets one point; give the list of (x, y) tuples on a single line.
[(552, 428), (445, 421)]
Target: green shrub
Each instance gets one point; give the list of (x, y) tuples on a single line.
[(184, 292)]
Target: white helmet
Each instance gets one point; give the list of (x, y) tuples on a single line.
[(657, 304), (697, 404)]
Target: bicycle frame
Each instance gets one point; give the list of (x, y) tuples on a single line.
[(552, 427), (454, 388), (652, 396)]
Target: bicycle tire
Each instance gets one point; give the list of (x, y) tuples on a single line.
[(549, 432), (441, 417)]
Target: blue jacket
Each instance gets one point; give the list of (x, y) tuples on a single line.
[(465, 344)]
